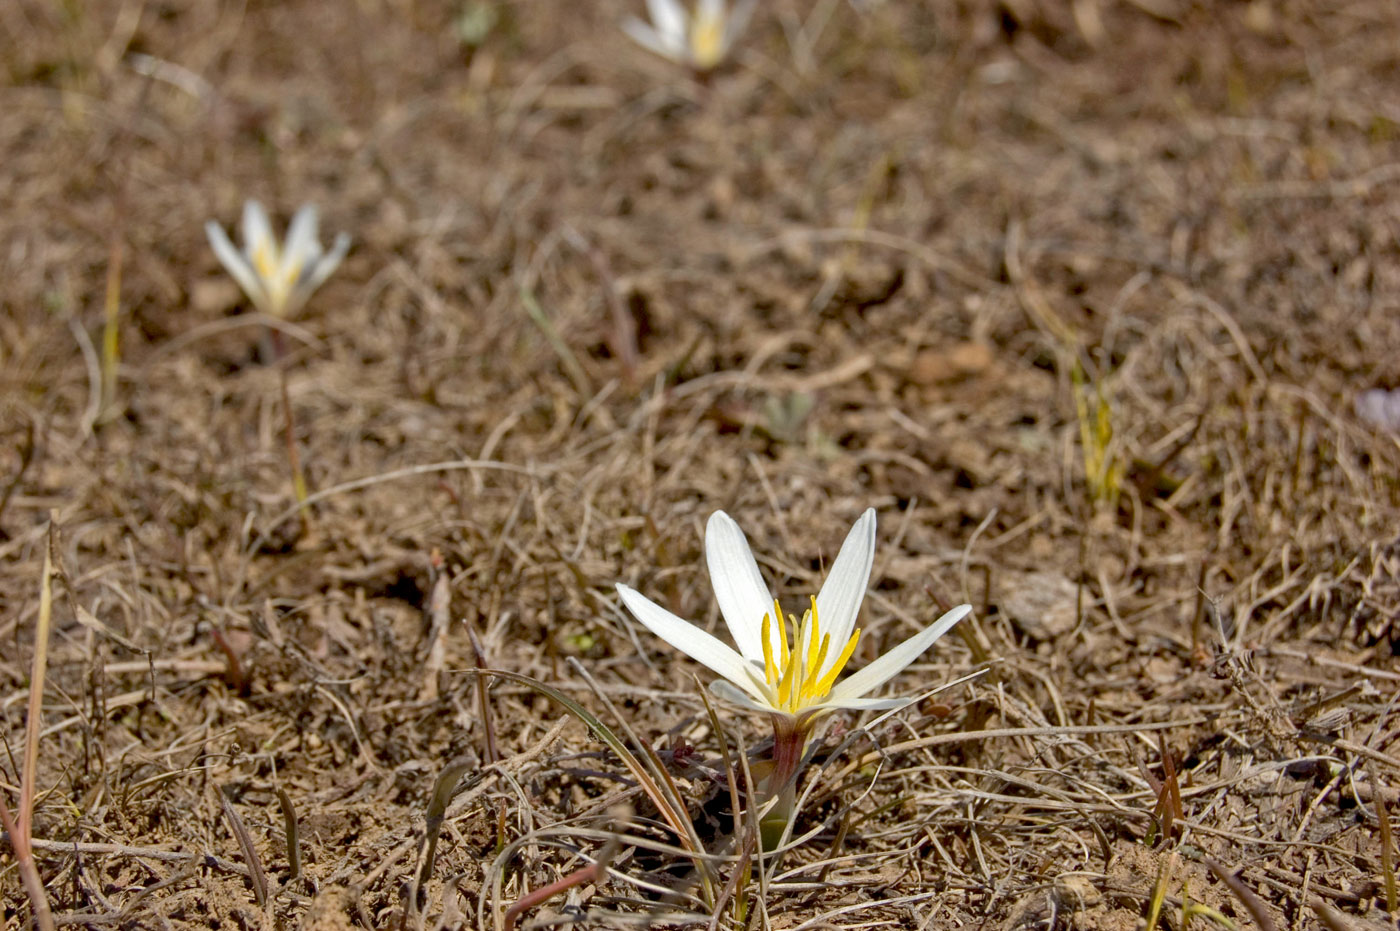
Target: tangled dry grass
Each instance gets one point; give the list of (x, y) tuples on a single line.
[(1078, 297)]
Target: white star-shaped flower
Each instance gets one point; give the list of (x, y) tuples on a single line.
[(792, 680), (277, 279), (700, 40)]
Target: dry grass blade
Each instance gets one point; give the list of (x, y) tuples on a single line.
[(483, 699), (21, 828), (34, 719), (673, 812), (1331, 919), (736, 887), (925, 263), (250, 852), (1387, 843), (439, 604), (1257, 909)]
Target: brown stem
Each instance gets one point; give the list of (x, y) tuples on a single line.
[(299, 488), (586, 874), (789, 742)]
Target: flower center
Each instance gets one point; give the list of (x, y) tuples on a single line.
[(795, 678), (707, 40)]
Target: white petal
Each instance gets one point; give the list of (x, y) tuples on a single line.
[(236, 265), (865, 704), (838, 603), (646, 37), (301, 248), (886, 667), (724, 689), (324, 265), (739, 589), (257, 231), (669, 18), (689, 639)]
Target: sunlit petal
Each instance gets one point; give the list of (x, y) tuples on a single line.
[(670, 20), (649, 38), (325, 264), (689, 639), (865, 704), (301, 248), (236, 265), (838, 603), (739, 589), (730, 693), (881, 670), (257, 231)]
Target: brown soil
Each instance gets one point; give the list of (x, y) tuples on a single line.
[(916, 257)]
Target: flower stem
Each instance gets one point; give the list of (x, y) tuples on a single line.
[(289, 429), (780, 788)]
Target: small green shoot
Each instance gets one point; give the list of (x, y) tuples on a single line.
[(1191, 909), (443, 787), (1103, 462), (111, 328)]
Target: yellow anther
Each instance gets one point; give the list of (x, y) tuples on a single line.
[(809, 690), (813, 639), (824, 684)]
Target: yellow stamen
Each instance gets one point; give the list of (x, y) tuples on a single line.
[(782, 633), (809, 690), (824, 684), (707, 40), (785, 683), (794, 675), (813, 638), (770, 672), (265, 261), (293, 274)]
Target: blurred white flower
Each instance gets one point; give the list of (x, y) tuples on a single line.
[(1379, 408), (700, 40), (793, 681), (277, 279)]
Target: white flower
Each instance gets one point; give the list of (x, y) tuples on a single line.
[(701, 39), (1379, 408), (794, 681), (277, 280)]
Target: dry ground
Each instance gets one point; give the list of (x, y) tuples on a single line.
[(907, 257)]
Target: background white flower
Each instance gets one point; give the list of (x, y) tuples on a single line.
[(793, 680), (1379, 408), (700, 40), (277, 279)]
